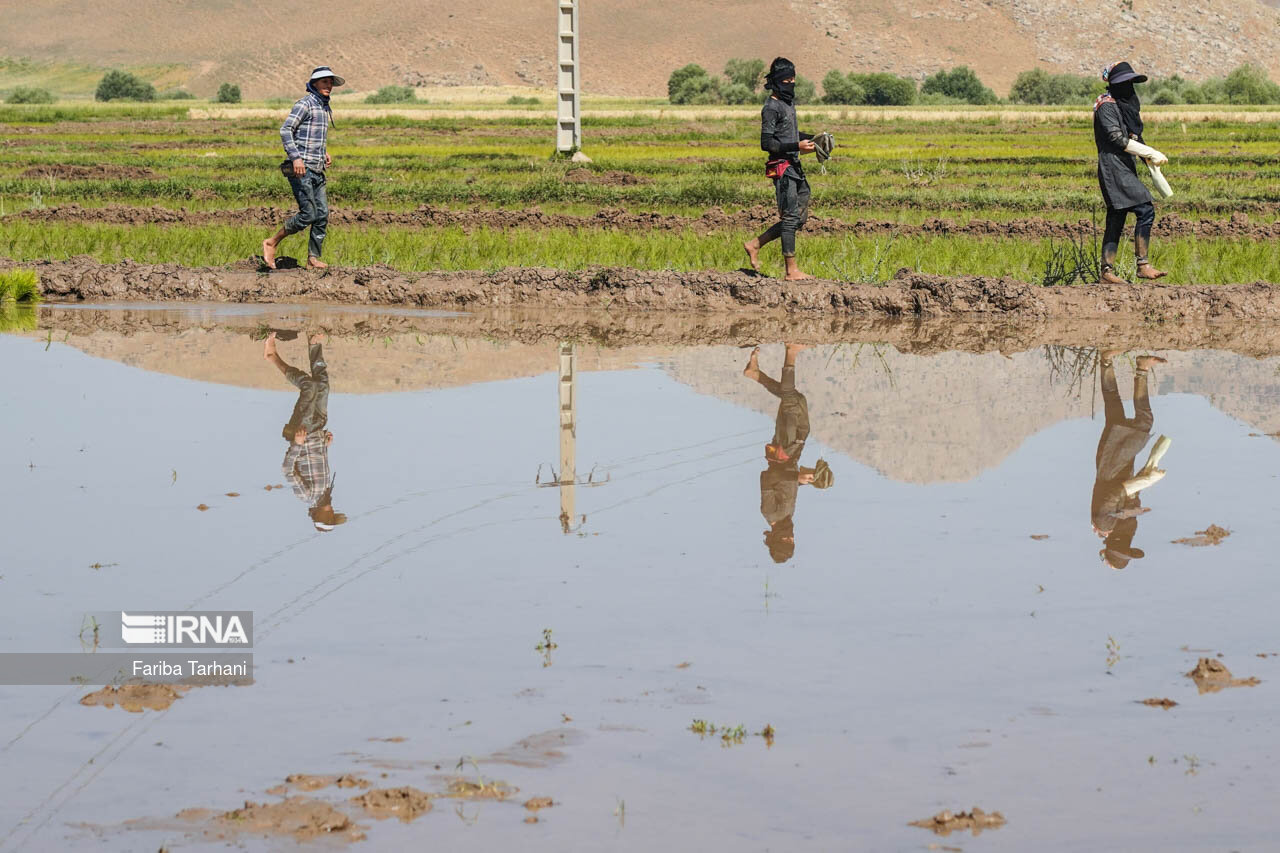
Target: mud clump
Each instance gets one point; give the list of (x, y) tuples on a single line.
[(1159, 703), (308, 782), (1212, 675), (404, 803), (135, 698), (300, 818), (106, 171), (611, 178), (945, 822), (1211, 535)]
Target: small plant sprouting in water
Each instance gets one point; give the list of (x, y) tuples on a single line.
[(546, 646), (1193, 764), (730, 735), (1113, 652), (89, 625)]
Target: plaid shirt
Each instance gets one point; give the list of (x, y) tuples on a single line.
[(305, 132), (306, 467)]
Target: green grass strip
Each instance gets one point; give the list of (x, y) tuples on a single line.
[(1189, 260)]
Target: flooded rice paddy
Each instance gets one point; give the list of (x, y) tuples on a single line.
[(567, 604)]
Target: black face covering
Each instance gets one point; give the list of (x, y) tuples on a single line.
[(1130, 107), (781, 69)]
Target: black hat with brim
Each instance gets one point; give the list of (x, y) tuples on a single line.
[(1122, 72)]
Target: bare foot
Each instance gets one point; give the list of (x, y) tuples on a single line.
[(753, 254), (1149, 272), (752, 370), (798, 276), (269, 348), (1110, 354), (317, 264), (269, 253), (798, 347), (316, 338), (1146, 362), (1108, 277)]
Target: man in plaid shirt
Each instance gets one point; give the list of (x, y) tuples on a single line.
[(305, 134), (306, 462)]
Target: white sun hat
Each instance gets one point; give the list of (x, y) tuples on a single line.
[(326, 71)]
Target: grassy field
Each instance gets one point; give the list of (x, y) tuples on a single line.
[(905, 167)]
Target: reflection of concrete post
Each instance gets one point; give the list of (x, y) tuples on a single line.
[(568, 81), (568, 430)]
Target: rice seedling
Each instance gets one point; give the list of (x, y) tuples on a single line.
[(19, 285)]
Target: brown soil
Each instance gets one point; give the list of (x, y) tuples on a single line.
[(611, 178), (714, 220), (465, 789), (66, 171), (946, 822), (405, 803), (300, 818), (136, 697), (1212, 675), (537, 803), (1160, 703), (908, 294), (308, 782), (1211, 535)]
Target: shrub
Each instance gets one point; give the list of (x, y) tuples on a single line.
[(25, 95), (699, 90), (960, 83), (837, 88), (228, 93), (517, 100), (1040, 87), (177, 95), (1250, 84), (737, 93), (19, 286), (806, 90), (885, 89), (123, 86), (681, 76), (748, 73), (392, 95)]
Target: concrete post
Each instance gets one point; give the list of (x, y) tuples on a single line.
[(568, 81)]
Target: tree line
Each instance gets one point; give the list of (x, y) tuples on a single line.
[(742, 81)]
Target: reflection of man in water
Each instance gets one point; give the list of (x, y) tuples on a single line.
[(306, 462), (781, 480), (1116, 504)]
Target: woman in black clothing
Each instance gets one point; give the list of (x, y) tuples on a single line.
[(1117, 131), (781, 138)]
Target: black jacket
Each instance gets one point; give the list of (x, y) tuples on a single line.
[(1117, 170), (780, 134)]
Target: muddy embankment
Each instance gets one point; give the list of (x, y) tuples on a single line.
[(918, 314), (907, 294), (714, 220)]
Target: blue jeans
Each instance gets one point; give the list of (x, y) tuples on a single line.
[(311, 412), (313, 210)]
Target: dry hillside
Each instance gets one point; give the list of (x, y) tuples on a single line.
[(630, 46)]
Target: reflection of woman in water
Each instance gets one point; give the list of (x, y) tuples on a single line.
[(1116, 503), (781, 480), (306, 462)]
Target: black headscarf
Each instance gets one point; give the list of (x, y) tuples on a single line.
[(1130, 107), (781, 69)]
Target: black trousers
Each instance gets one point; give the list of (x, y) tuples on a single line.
[(1145, 215)]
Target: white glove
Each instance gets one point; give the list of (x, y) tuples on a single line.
[(1158, 451), (1144, 480), (1146, 152)]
